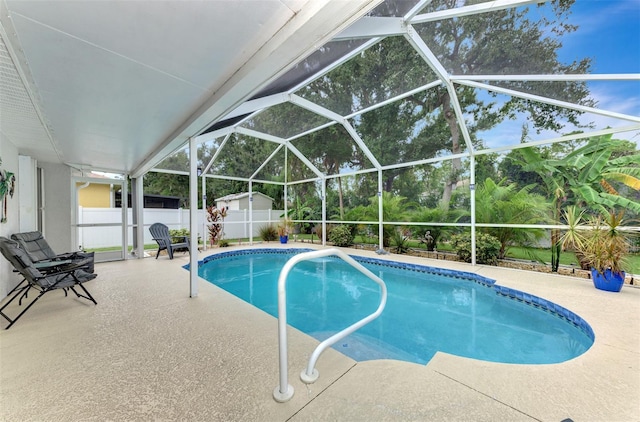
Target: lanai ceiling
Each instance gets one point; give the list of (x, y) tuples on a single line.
[(117, 85)]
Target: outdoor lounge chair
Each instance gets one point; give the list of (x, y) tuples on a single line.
[(160, 234), (39, 251), (42, 278)]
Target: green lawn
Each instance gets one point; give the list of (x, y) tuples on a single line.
[(117, 248), (531, 254)]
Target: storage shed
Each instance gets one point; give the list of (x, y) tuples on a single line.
[(240, 201)]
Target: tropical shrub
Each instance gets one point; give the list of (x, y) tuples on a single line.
[(268, 233), (214, 216), (439, 214), (394, 208), (341, 236), (507, 204), (487, 248), (177, 235), (317, 230), (592, 176), (400, 240)]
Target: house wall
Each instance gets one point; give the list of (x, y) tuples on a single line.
[(9, 155), (96, 195)]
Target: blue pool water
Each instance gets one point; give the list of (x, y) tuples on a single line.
[(428, 309)]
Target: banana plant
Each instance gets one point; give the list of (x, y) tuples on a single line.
[(588, 174)]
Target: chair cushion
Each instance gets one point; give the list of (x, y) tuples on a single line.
[(19, 259), (35, 245)]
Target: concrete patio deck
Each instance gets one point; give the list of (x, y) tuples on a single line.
[(149, 352)]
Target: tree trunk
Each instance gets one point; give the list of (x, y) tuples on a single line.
[(556, 248), (341, 200), (456, 164)]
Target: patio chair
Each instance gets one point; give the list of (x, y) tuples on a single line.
[(160, 234), (39, 251), (64, 275)]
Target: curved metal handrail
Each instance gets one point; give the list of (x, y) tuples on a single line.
[(284, 391)]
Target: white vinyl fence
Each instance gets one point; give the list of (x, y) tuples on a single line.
[(236, 224)]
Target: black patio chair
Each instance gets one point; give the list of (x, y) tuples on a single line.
[(160, 234), (39, 251), (50, 276)]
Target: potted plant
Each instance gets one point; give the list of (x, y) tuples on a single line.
[(604, 248), (284, 228)]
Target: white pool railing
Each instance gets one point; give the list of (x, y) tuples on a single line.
[(284, 391)]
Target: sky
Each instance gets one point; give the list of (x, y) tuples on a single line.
[(609, 33)]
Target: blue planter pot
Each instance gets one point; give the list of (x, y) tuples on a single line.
[(611, 282), (284, 239)]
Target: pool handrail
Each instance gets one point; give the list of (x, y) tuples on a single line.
[(284, 391)]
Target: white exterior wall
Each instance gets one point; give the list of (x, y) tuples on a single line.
[(57, 206), (9, 155), (27, 184)]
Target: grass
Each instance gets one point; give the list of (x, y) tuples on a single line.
[(529, 254), (150, 246)]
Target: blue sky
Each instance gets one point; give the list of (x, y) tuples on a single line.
[(609, 31)]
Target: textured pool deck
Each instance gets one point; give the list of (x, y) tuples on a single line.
[(149, 352)]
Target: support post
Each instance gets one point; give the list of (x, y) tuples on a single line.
[(380, 213), (472, 188), (324, 211), (205, 233), (193, 217), (250, 213), (138, 215), (125, 219)]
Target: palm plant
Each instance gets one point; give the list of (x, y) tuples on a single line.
[(394, 208), (500, 203), (439, 214)]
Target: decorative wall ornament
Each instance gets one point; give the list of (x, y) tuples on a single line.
[(7, 188)]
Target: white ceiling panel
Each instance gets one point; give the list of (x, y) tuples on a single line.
[(196, 41), (115, 85)]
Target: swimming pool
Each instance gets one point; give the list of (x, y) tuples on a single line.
[(428, 309)]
